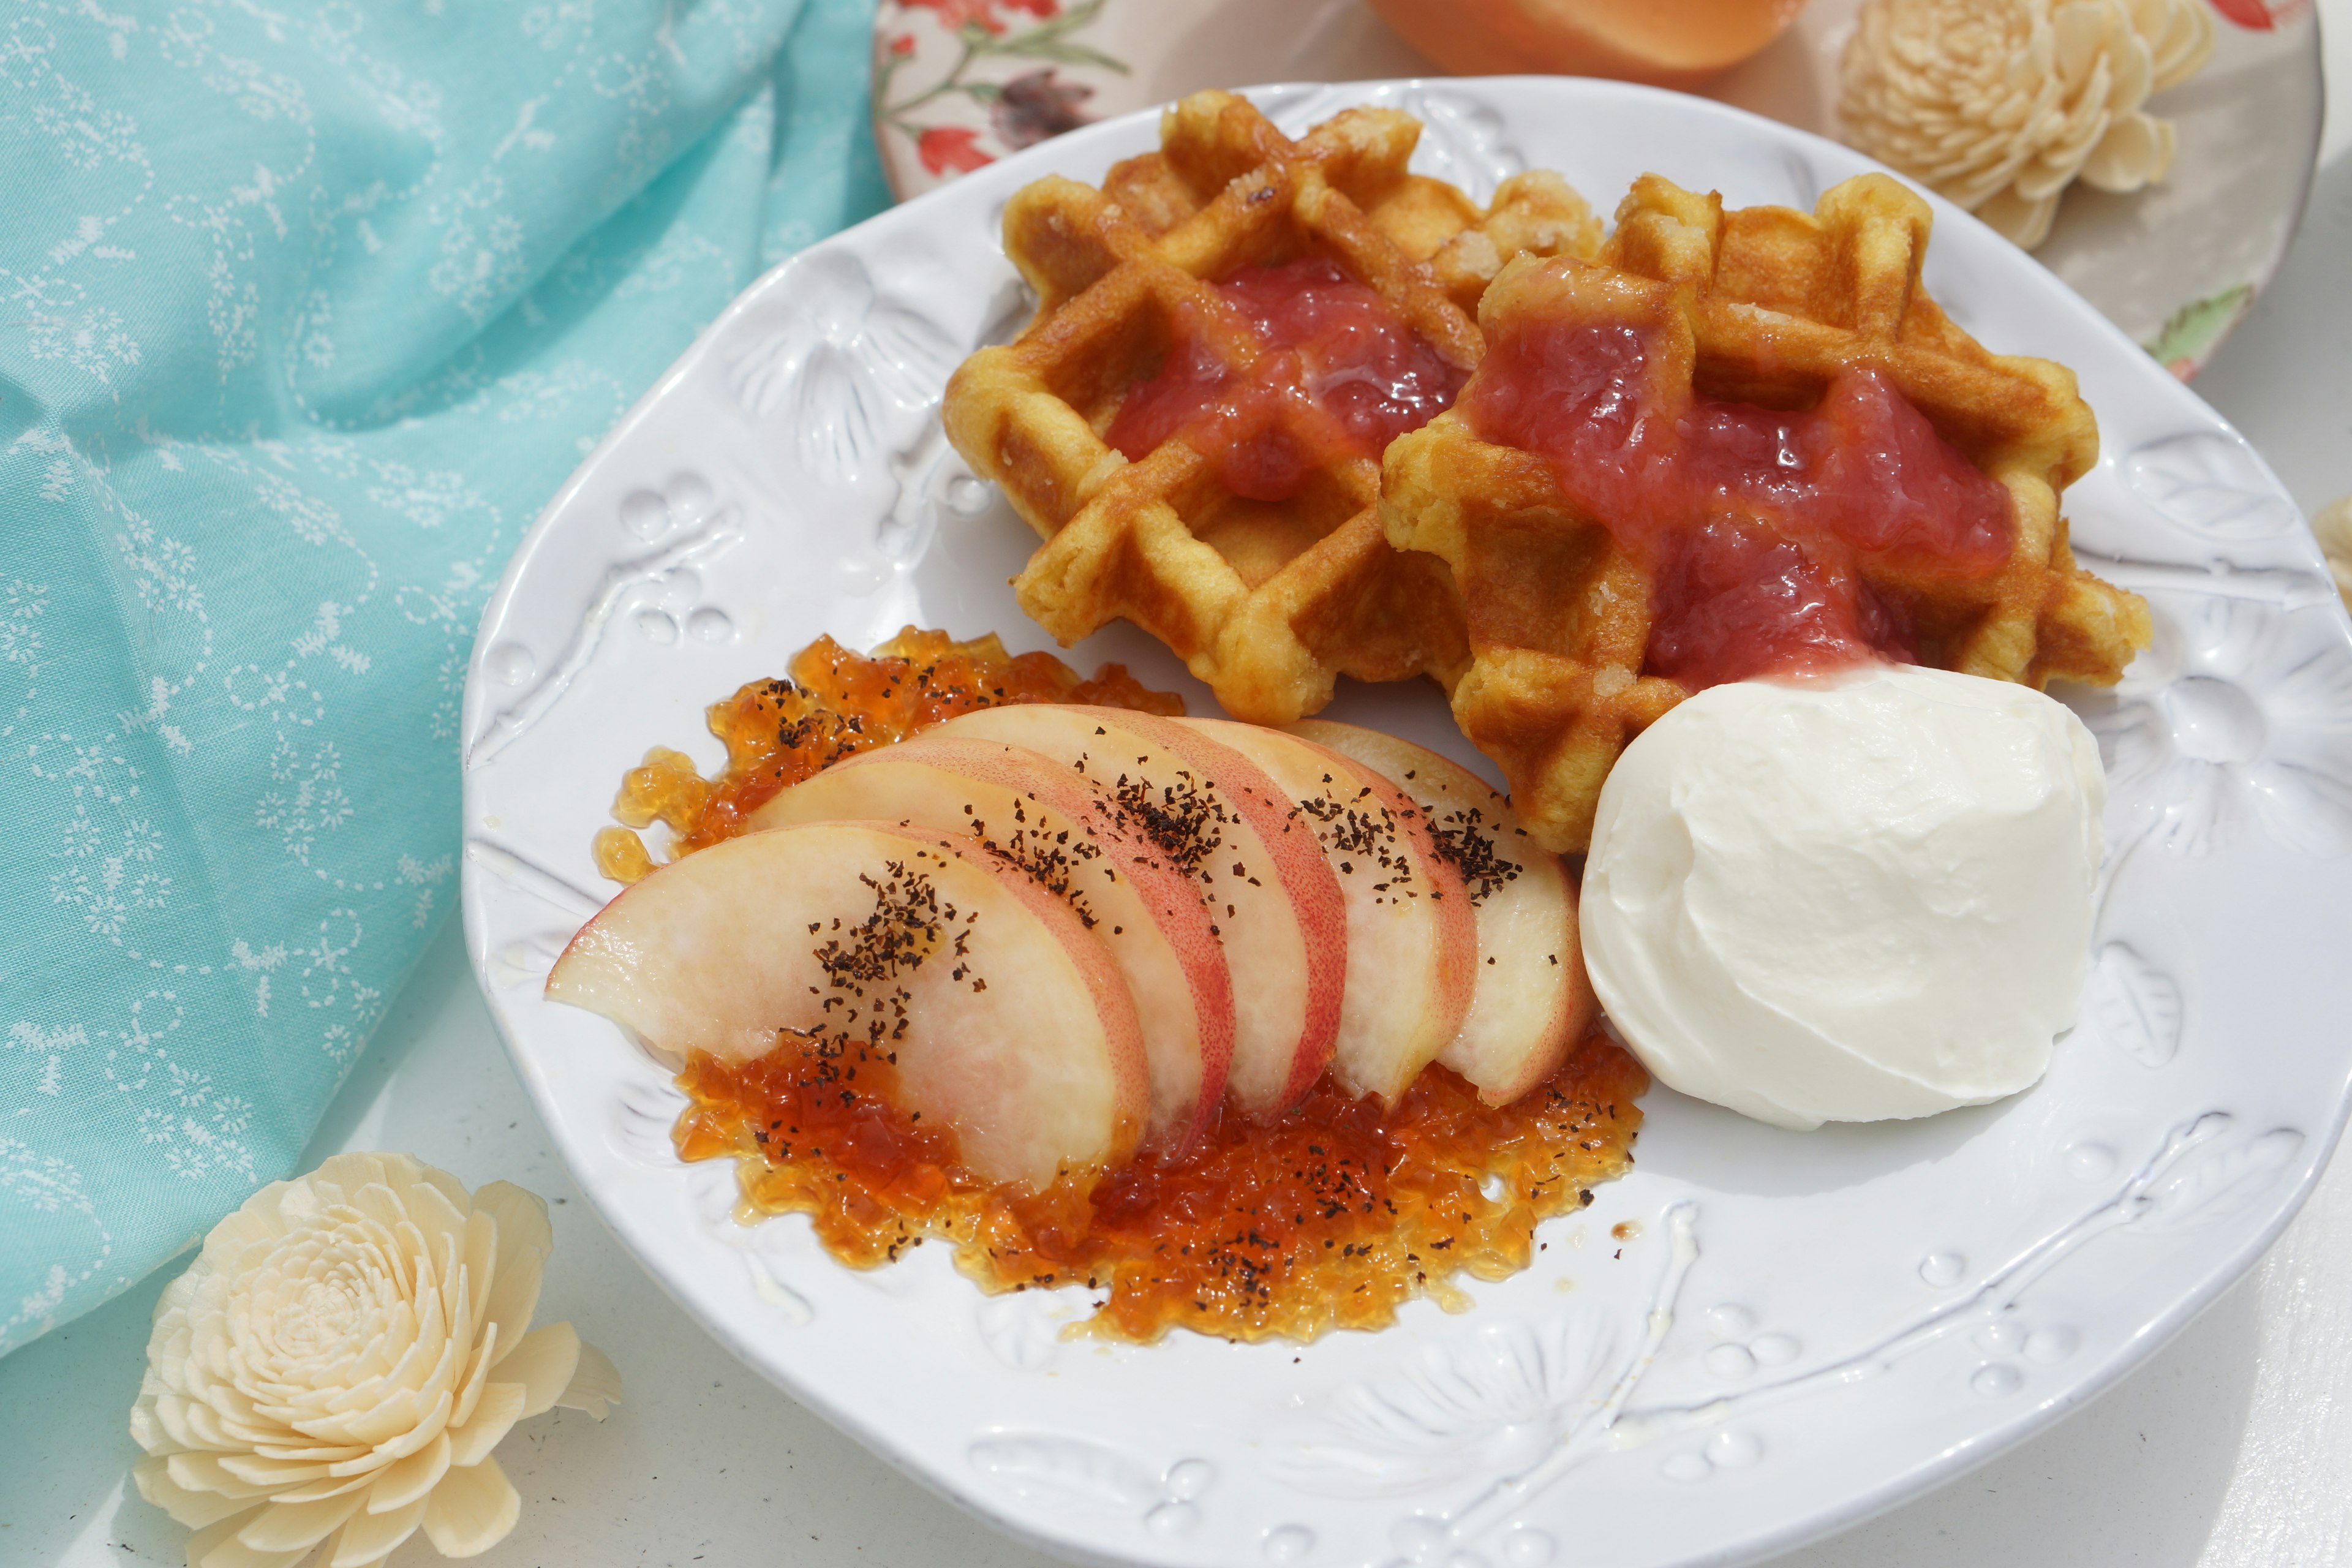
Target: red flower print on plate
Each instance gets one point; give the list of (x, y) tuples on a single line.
[(2261, 15), (957, 14), (945, 147)]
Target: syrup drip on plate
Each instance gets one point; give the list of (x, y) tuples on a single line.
[(834, 704), (1332, 1216)]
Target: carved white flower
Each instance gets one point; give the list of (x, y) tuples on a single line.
[(2000, 104), (2238, 716), (1491, 1404), (2333, 526), (340, 1358)]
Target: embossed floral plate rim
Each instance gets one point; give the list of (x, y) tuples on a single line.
[(1756, 1337)]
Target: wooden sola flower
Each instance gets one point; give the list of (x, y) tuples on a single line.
[(2001, 104), (339, 1362)]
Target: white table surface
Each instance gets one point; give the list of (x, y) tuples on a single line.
[(2231, 1448)]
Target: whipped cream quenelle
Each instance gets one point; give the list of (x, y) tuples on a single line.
[(1847, 899)]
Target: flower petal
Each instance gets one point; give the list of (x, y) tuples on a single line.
[(471, 1510), (2026, 224), (174, 1301), (2083, 36), (210, 1536), (416, 1368), (312, 1455), (2136, 151), (442, 1182), (204, 1424), (441, 1217), (515, 1294), (542, 1362), (421, 1432), (357, 1169), (211, 1473), (500, 1407), (370, 1537), (334, 1486), (216, 1546), (595, 1384), (267, 1475), (464, 1292), (291, 1526), (256, 1222), (522, 1220), (404, 1482), (170, 1412), (191, 1508), (2135, 70), (478, 1375), (525, 1239), (367, 1464), (145, 1431), (2184, 45)]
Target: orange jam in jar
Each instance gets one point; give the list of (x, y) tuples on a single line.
[(1332, 1216), (833, 703)]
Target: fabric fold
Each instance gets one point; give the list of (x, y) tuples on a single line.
[(310, 315)]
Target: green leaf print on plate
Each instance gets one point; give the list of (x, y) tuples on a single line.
[(2194, 330)]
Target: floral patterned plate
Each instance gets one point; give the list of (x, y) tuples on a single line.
[(1753, 1339), (960, 83)]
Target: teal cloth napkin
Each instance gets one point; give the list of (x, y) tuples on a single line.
[(304, 312)]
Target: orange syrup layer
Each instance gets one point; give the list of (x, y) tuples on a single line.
[(1331, 1218), (832, 704)]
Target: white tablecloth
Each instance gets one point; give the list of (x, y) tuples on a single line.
[(2232, 1448)]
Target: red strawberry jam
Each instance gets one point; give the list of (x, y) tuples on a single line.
[(1337, 373), (1752, 522)]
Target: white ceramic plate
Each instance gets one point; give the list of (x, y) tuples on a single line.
[(1755, 1338), (2176, 266)]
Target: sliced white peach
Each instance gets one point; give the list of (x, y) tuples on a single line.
[(1411, 938), (1532, 1001), (1068, 835), (1010, 1022), (1272, 900)]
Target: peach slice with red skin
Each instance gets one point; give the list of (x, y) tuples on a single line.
[(1272, 898), (1067, 834), (1010, 1022), (1412, 937), (1532, 1001)]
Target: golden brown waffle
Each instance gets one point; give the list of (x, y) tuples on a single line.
[(1265, 601), (1760, 305)]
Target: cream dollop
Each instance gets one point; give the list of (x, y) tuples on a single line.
[(2000, 104), (337, 1364), (1850, 900)]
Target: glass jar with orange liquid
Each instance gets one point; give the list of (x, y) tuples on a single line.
[(1668, 43)]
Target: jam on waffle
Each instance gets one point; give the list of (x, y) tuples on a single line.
[(1229, 333), (1303, 367), (1743, 443)]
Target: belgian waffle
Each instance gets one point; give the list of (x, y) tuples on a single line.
[(1760, 305), (1267, 602)]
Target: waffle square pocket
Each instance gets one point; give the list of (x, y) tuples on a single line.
[(1741, 442), (1229, 333)]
